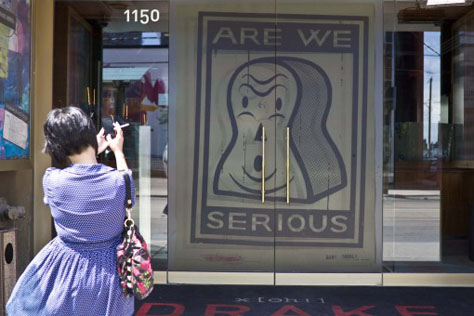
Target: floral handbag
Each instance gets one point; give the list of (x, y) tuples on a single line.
[(133, 260)]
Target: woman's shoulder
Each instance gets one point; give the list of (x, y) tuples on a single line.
[(86, 171), (51, 171), (83, 171), (91, 176)]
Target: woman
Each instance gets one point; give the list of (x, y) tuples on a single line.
[(76, 273)]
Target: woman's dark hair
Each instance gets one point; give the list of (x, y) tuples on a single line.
[(68, 131)]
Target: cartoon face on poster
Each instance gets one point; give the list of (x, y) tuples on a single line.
[(280, 113), (260, 96)]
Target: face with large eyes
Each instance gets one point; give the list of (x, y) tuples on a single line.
[(261, 96)]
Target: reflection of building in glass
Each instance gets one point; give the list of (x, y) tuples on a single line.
[(135, 86)]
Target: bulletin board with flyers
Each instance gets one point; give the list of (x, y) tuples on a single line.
[(15, 75)]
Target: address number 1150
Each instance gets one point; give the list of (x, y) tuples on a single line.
[(144, 16)]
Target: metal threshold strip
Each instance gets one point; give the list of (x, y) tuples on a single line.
[(315, 279)]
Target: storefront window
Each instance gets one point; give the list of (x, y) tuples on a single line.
[(117, 71), (426, 199), (135, 91), (15, 55), (297, 136)]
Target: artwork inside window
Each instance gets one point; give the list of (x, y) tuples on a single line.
[(15, 53)]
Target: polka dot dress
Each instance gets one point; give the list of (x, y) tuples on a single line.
[(75, 273)]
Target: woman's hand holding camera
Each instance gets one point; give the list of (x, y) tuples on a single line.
[(116, 143), (101, 142)]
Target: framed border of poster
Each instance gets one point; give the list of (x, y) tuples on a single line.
[(356, 27), (15, 84)]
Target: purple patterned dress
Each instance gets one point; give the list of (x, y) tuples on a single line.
[(75, 273)]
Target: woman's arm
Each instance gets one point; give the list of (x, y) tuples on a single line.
[(116, 145), (120, 160)]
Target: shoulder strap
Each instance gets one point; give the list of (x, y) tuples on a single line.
[(128, 193)]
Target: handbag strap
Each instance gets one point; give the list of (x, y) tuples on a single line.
[(128, 190), (128, 222)]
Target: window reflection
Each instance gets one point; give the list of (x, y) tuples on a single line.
[(135, 91), (427, 167)]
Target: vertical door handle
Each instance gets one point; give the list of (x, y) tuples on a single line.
[(263, 164), (88, 91), (287, 165)]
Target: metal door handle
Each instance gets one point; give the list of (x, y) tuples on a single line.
[(287, 165), (88, 91), (263, 164)]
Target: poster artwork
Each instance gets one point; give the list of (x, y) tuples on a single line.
[(15, 127), (15, 54), (255, 80), (4, 32)]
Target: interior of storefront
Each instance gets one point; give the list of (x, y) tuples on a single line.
[(117, 70)]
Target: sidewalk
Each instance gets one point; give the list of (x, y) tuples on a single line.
[(194, 300)]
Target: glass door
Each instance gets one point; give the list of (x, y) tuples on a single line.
[(222, 132), (272, 155), (325, 216), (112, 61)]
